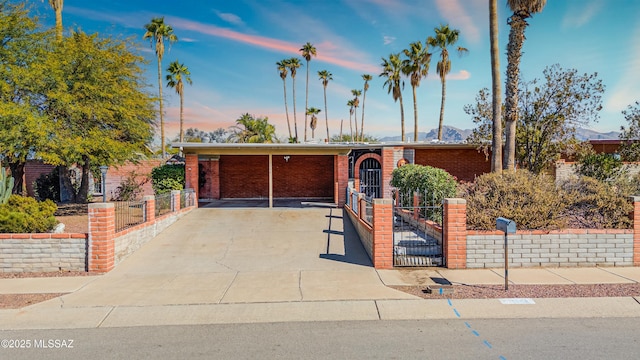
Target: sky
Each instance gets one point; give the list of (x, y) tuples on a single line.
[(231, 49)]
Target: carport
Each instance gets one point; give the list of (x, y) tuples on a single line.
[(267, 171)]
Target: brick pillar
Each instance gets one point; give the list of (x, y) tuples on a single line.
[(175, 200), (454, 233), (635, 216), (416, 205), (191, 173), (340, 178), (149, 208), (388, 165), (214, 178), (102, 231), (382, 234)]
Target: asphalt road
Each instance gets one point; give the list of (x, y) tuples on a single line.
[(594, 338)]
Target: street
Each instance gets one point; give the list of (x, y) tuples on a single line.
[(590, 338)]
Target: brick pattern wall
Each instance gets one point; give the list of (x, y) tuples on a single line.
[(382, 234), (32, 171), (142, 171), (43, 252), (464, 164), (454, 233), (102, 229), (191, 173), (340, 178), (635, 215), (567, 248), (244, 176), (211, 187), (364, 230), (565, 170)]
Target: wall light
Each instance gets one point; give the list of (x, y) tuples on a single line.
[(286, 158)]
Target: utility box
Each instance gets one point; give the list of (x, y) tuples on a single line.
[(506, 225)]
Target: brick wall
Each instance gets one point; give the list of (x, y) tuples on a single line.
[(564, 170), (43, 252), (117, 174), (32, 171), (364, 230), (567, 248), (464, 164)]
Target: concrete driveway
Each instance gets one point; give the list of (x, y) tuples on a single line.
[(243, 255)]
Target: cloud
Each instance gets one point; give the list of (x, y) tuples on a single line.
[(388, 39), (460, 75), (455, 13), (189, 40), (580, 14), (230, 18)]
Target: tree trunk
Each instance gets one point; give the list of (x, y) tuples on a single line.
[(355, 123), (295, 121), (341, 123), (444, 96), (58, 11), (181, 115), (364, 97), (306, 104), (415, 116), (496, 140), (67, 192), (286, 107), (164, 154), (83, 191), (17, 173), (326, 116), (514, 53), (402, 117), (350, 126)]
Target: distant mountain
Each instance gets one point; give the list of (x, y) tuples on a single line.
[(452, 134)]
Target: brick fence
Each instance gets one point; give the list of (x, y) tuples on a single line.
[(100, 250)]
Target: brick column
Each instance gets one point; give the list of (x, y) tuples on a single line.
[(388, 165), (214, 178), (382, 256), (149, 208), (635, 216), (416, 205), (454, 233), (340, 178), (175, 200), (102, 230), (191, 173)]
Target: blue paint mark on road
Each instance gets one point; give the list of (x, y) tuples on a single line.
[(467, 325), (449, 301), (475, 333), (441, 291), (488, 344), (502, 358), (457, 313)]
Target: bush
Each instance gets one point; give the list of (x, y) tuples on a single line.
[(47, 186), (598, 204), (433, 185), (604, 167), (130, 188), (167, 177), (27, 215), (532, 201)]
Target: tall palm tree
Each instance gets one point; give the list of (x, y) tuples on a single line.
[(366, 78), (391, 69), (57, 5), (158, 32), (356, 103), (177, 75), (496, 140), (283, 68), (350, 104), (326, 76), (522, 9), (307, 51), (293, 64), (444, 38), (416, 67), (314, 120)]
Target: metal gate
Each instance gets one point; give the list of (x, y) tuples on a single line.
[(370, 175), (416, 242)]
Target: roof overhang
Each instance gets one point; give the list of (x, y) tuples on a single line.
[(216, 149)]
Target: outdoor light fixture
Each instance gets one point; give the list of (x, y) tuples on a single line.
[(103, 171), (286, 158)]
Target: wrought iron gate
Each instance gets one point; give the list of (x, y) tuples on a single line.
[(370, 178), (416, 242)]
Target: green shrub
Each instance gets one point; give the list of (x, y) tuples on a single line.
[(27, 215), (432, 184), (604, 167), (532, 201), (598, 204), (130, 188), (167, 177), (47, 186)]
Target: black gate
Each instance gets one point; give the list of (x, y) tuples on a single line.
[(370, 178), (416, 242)]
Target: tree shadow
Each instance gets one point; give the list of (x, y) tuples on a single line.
[(354, 252)]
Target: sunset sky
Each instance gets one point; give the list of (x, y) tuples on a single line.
[(231, 48)]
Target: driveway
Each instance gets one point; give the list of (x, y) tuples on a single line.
[(243, 255)]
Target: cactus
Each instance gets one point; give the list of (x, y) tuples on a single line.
[(6, 186)]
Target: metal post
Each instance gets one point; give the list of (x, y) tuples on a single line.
[(103, 172), (506, 263)]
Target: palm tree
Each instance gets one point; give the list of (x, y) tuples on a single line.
[(308, 51), (350, 104), (157, 32), (522, 9), (251, 130), (366, 78), (57, 5), (416, 67), (314, 120), (178, 74), (326, 76), (496, 140), (391, 70), (293, 64), (356, 103), (444, 38), (283, 68)]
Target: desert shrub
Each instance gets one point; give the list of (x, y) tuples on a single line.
[(604, 167), (130, 188), (27, 215), (167, 177), (598, 204), (431, 183), (532, 201), (47, 186)]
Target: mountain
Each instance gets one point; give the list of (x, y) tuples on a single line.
[(452, 134)]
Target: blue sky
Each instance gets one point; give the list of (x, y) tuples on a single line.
[(231, 48)]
